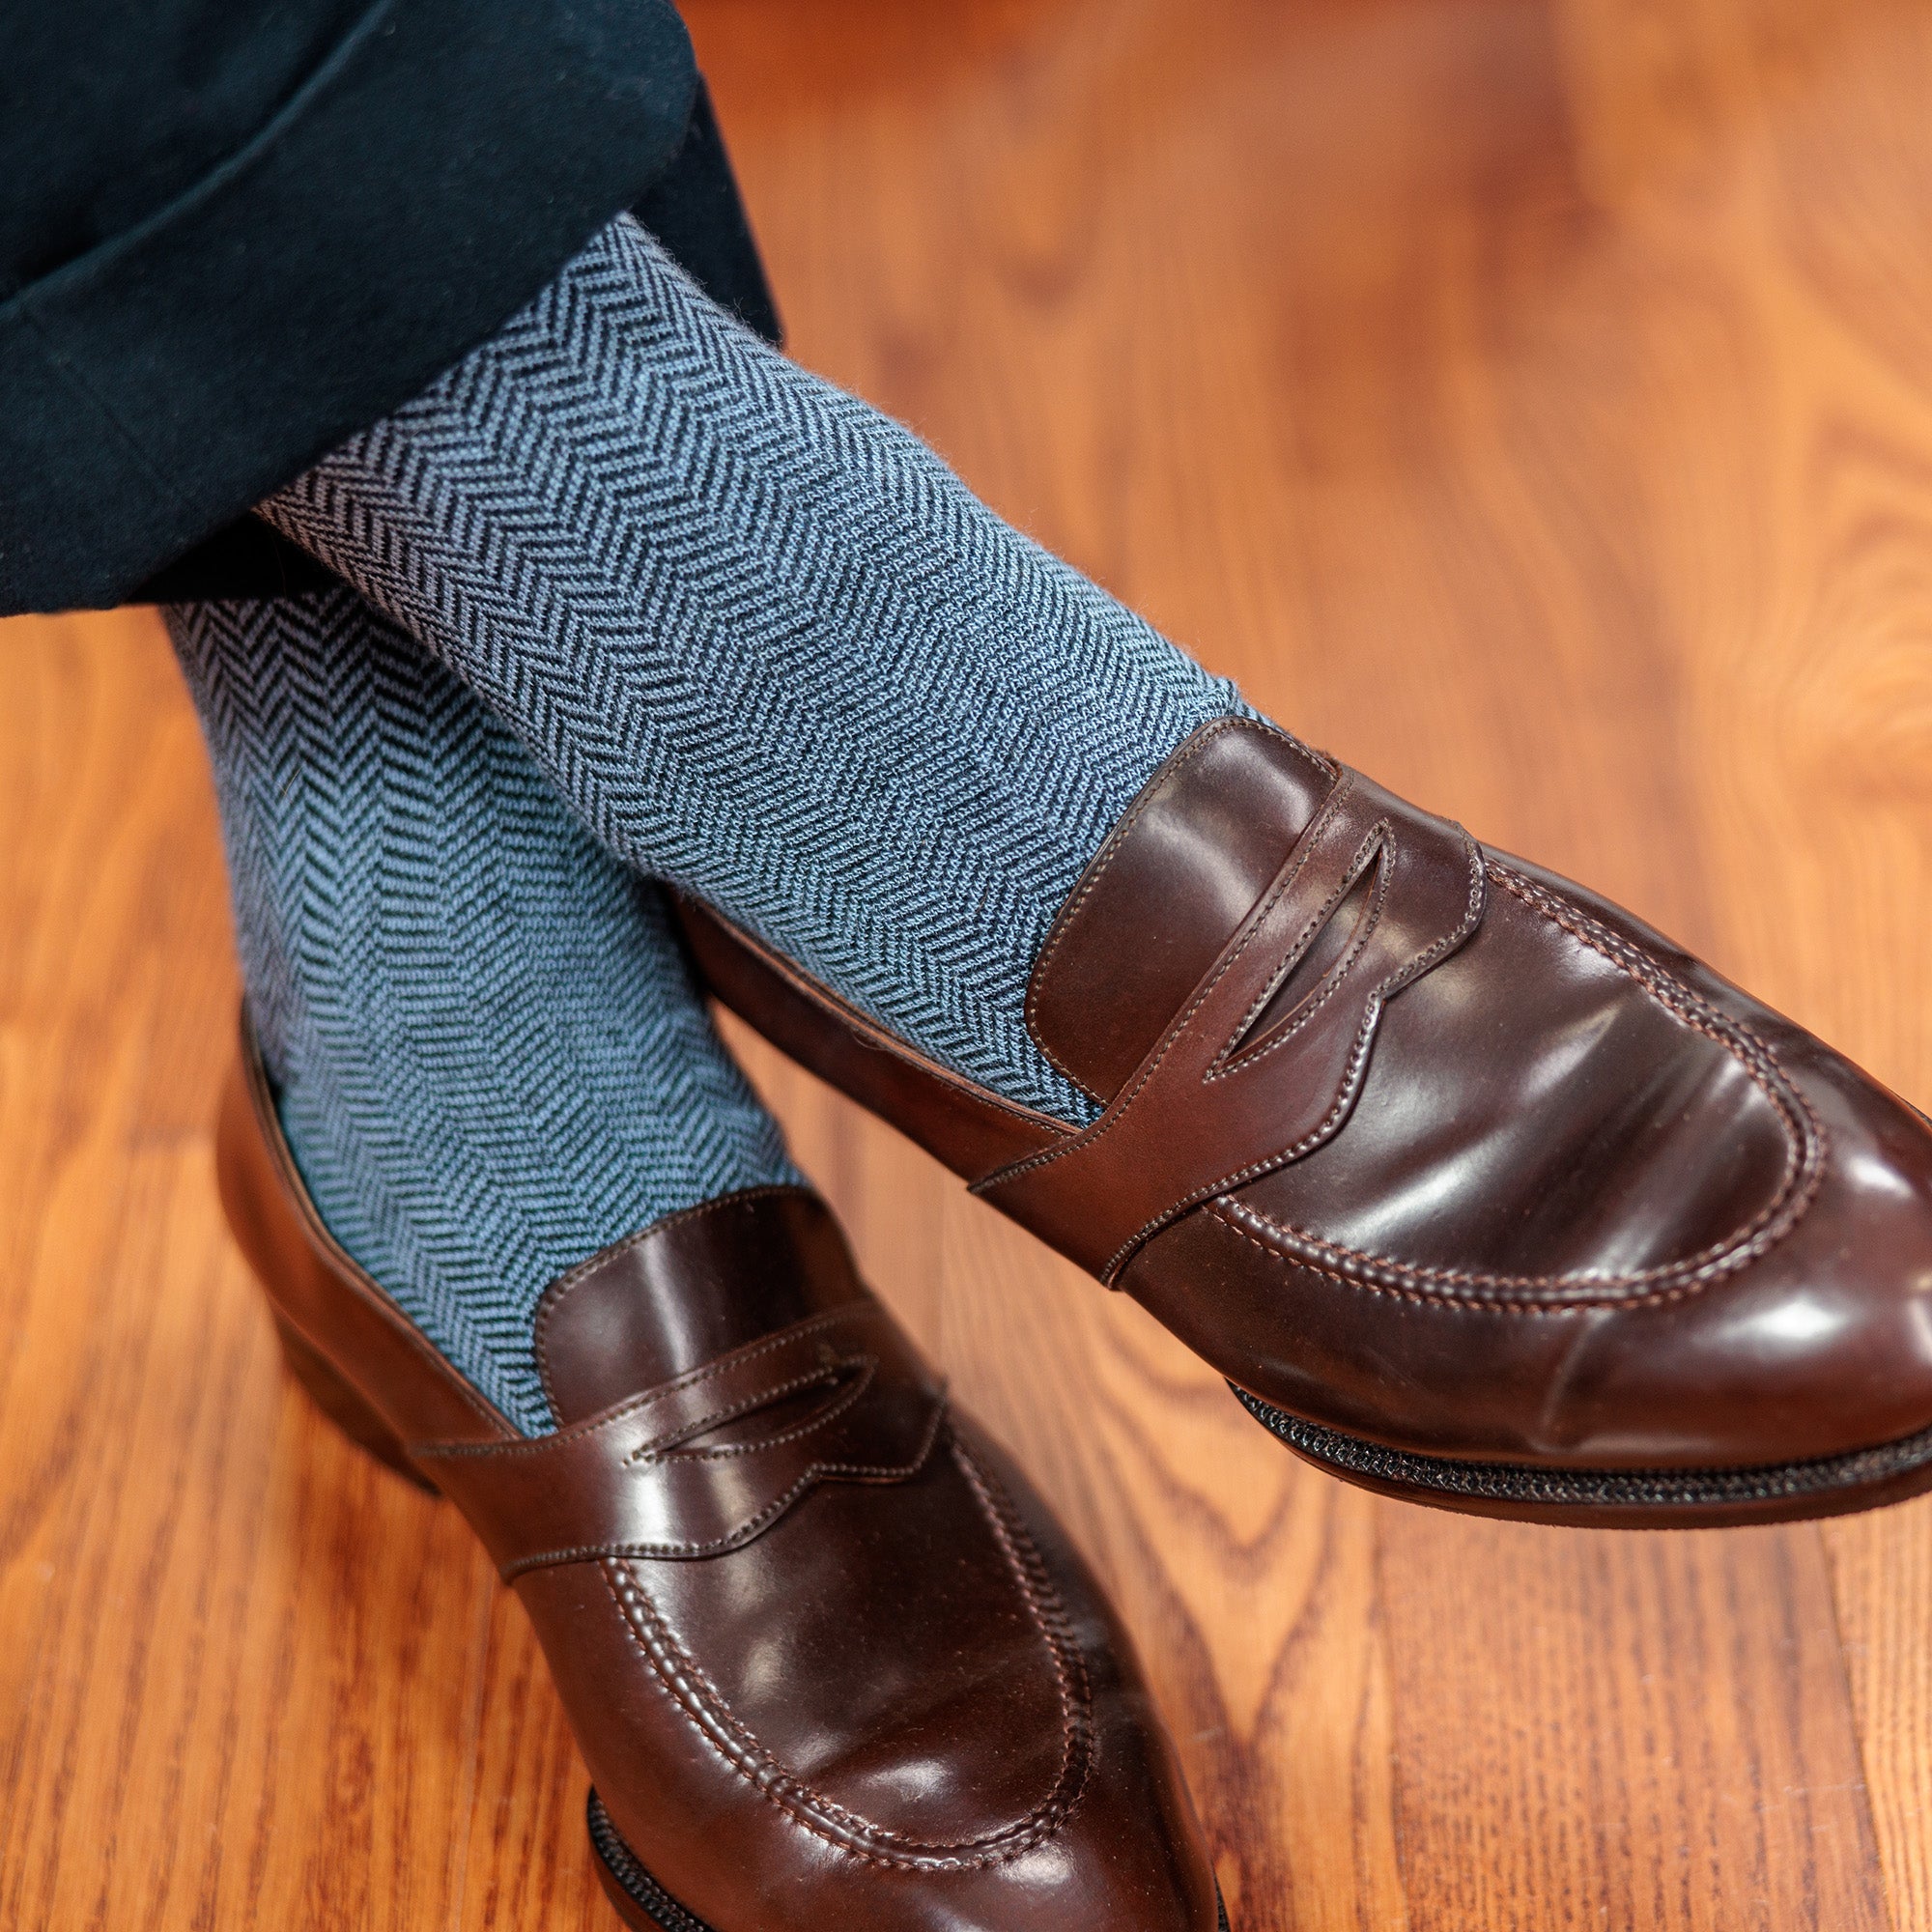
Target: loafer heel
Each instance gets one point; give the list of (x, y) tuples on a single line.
[(340, 1403)]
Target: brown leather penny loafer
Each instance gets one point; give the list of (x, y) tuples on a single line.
[(1478, 1190), (827, 1657)]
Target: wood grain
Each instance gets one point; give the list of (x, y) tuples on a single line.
[(1531, 400)]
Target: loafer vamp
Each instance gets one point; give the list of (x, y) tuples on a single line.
[(886, 1659), (1019, 1780), (1593, 1207)]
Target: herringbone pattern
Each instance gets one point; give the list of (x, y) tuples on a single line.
[(766, 642), (490, 1056)]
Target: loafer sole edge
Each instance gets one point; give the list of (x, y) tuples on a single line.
[(1859, 1479)]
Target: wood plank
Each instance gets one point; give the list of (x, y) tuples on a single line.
[(237, 1680), (1882, 1577), (1639, 1729)]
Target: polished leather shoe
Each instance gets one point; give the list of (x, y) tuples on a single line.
[(830, 1660), (1479, 1192)]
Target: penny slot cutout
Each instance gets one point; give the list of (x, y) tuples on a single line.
[(1308, 979), (806, 1403)]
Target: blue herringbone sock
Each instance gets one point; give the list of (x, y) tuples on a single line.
[(766, 642), (489, 1057)]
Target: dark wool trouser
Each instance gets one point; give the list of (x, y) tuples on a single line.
[(766, 643)]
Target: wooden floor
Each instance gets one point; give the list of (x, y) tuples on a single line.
[(1531, 403)]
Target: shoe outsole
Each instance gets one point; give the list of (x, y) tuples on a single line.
[(642, 1902), (1614, 1499)]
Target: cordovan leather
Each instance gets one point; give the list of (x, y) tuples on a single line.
[(827, 1657), (1227, 1093), (1483, 1168), (652, 1476)]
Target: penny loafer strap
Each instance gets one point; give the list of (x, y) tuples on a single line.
[(642, 1479), (1230, 1090)]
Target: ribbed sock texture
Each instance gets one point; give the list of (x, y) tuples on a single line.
[(489, 1055), (767, 644)]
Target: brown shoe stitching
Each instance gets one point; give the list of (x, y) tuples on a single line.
[(825, 1376), (1803, 1172), (1177, 1029), (633, 1405), (747, 1530), (1176, 1032), (1379, 844), (692, 1688)]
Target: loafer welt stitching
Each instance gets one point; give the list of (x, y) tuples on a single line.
[(1225, 1211), (824, 1817)]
